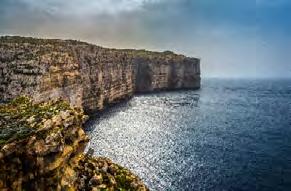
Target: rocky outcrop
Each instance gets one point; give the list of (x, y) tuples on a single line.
[(86, 75), (165, 71), (41, 148)]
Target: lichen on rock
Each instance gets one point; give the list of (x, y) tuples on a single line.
[(41, 148), (102, 174)]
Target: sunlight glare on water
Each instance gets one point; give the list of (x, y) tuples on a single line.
[(230, 135)]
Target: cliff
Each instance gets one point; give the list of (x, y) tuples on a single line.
[(41, 148), (41, 139), (86, 75)]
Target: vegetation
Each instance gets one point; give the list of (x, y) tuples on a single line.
[(47, 139), (101, 174), (21, 117), (35, 41), (64, 44)]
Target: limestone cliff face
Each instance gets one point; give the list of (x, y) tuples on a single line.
[(41, 148), (86, 75), (165, 71)]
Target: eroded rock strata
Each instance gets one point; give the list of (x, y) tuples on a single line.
[(86, 75), (41, 148), (41, 139)]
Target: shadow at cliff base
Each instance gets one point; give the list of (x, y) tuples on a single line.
[(113, 109), (108, 111), (140, 93)]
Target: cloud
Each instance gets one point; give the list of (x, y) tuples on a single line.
[(233, 37), (85, 7)]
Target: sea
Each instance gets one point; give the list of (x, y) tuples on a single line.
[(232, 134)]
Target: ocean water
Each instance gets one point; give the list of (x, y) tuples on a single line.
[(230, 135)]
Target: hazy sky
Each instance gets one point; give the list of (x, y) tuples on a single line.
[(234, 38)]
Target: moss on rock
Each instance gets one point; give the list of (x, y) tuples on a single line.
[(21, 118), (102, 174), (41, 148)]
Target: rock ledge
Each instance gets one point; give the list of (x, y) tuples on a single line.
[(41, 148)]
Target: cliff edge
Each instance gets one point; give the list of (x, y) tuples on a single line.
[(41, 138), (41, 148), (86, 75)]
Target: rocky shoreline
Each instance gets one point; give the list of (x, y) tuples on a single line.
[(41, 148), (41, 138)]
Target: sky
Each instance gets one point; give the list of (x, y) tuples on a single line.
[(233, 38)]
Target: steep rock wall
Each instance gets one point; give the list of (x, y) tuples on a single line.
[(86, 75), (166, 72)]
